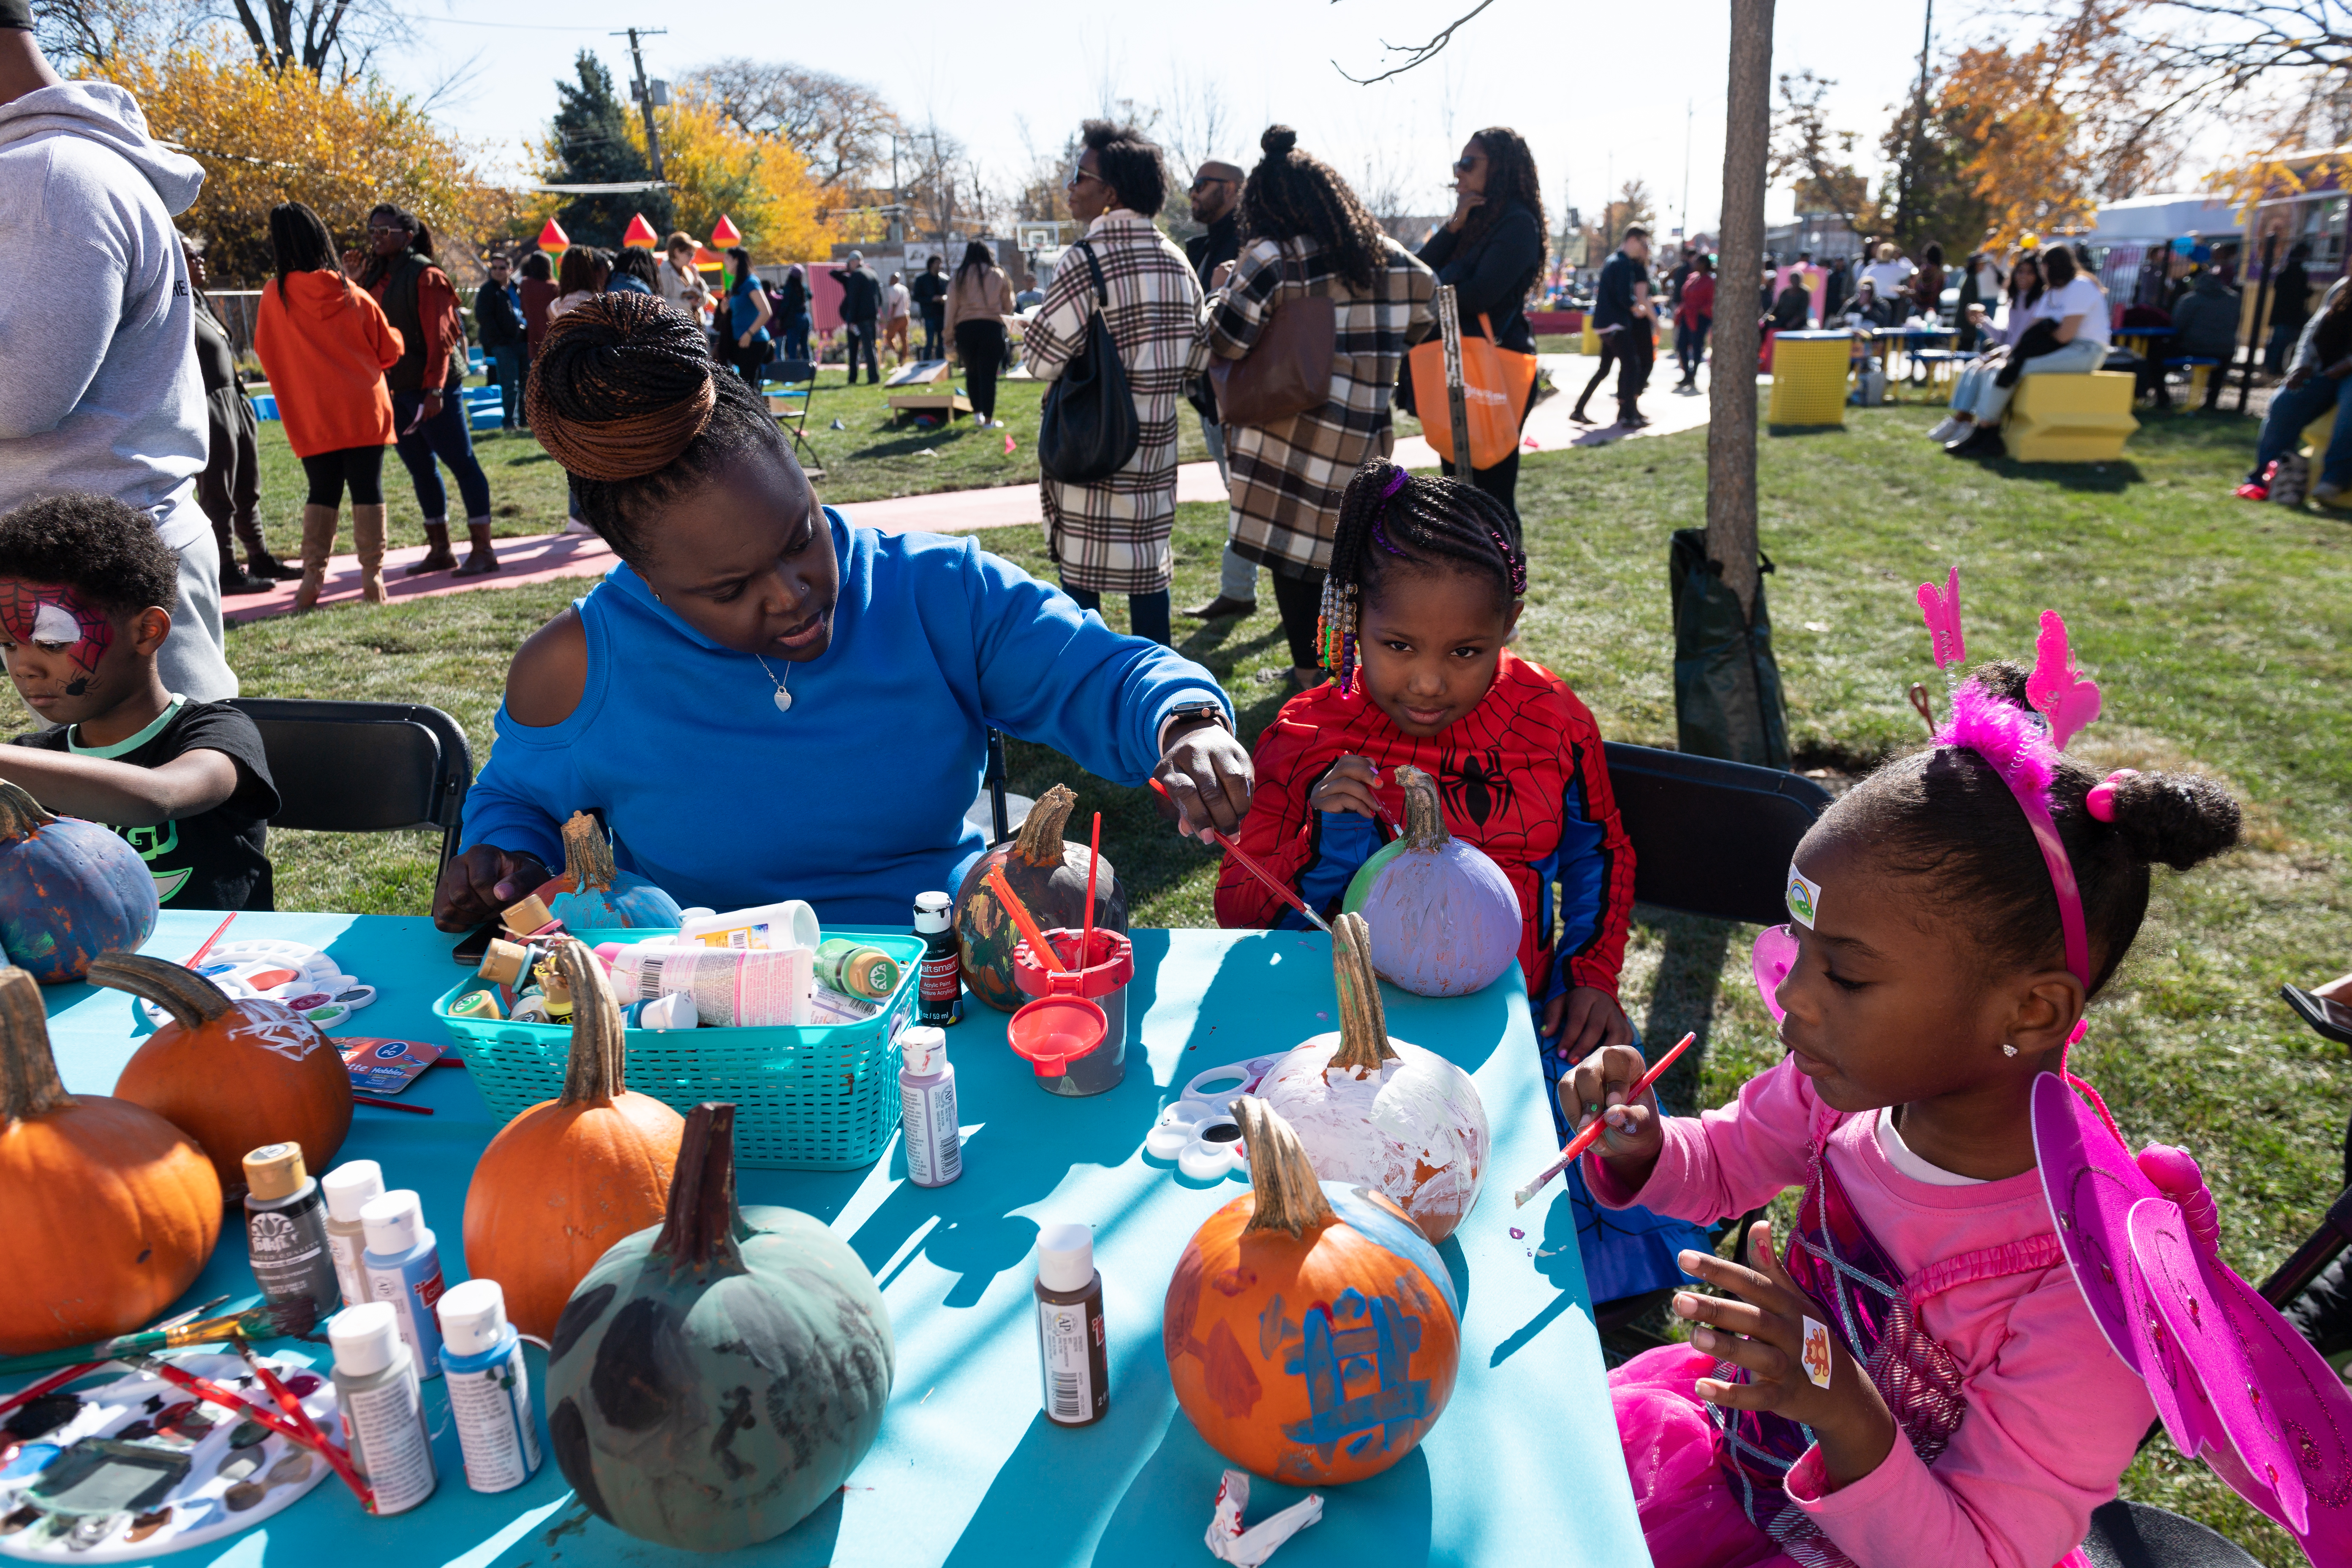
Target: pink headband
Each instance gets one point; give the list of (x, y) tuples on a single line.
[(2024, 750)]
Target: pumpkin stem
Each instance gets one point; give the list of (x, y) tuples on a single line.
[(1363, 1025), (1039, 842), (1425, 820), (1289, 1194), (29, 1085), (19, 812), (597, 1070), (191, 999), (587, 854), (702, 1225)]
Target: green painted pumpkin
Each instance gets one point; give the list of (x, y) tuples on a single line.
[(716, 1377), (1047, 875), (598, 895), (69, 891)]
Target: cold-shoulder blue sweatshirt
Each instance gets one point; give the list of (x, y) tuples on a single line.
[(855, 800)]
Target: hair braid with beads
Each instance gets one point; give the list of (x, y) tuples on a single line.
[(1388, 519)]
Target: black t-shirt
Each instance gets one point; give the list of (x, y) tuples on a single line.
[(213, 860)]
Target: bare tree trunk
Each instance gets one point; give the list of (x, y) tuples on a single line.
[(1731, 390)]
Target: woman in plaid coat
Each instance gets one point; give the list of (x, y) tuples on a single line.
[(1304, 232), (1111, 536)]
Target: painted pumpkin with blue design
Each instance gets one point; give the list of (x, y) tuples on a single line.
[(1445, 918), (596, 895), (1312, 1332), (69, 891)]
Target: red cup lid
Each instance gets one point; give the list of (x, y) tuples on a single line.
[(1053, 1031)]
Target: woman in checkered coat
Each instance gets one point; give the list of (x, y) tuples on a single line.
[(1111, 536), (1304, 232)]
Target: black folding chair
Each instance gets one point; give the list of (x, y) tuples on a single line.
[(2134, 1535), (790, 397), (1710, 838), (364, 767)]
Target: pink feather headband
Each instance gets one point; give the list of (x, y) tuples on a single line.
[(2023, 749)]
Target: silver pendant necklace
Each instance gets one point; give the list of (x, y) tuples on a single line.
[(784, 697)]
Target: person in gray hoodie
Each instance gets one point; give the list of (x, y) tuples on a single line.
[(103, 394)]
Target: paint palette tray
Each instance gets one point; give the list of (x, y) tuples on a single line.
[(139, 1467), (301, 976)]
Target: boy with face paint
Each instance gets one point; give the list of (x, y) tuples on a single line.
[(84, 583)]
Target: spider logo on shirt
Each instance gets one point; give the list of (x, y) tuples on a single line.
[(1475, 783)]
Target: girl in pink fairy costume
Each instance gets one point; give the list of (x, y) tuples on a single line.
[(1920, 1378)]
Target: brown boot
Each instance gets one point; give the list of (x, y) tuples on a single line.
[(367, 538), (437, 556), (480, 559), (318, 543)]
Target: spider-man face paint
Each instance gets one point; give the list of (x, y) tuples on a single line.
[(56, 620)]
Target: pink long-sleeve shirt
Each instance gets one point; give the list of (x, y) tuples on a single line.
[(2053, 1415)]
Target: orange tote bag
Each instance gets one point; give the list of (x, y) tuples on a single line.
[(1494, 386)]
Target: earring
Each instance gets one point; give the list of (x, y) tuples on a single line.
[(2008, 1049)]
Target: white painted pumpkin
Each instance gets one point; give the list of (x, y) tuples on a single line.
[(1445, 918), (1379, 1111)]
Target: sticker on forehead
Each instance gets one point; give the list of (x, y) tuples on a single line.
[(1805, 897)]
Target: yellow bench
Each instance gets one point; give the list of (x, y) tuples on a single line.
[(1808, 378), (2316, 437), (2070, 418)]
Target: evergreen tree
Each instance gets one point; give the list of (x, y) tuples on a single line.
[(592, 138)]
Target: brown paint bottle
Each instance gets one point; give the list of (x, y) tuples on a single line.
[(1073, 1354)]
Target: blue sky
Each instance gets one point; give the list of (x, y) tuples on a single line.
[(1602, 91)]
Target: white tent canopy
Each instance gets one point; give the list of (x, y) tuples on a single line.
[(2163, 217)]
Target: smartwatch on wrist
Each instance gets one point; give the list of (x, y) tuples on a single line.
[(1208, 710)]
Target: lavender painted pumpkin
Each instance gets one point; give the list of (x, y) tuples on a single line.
[(597, 896), (1381, 1112), (1444, 920), (69, 891)]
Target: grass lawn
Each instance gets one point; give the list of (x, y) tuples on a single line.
[(867, 459), (2222, 633)]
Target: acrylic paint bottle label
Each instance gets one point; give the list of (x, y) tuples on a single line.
[(927, 1114), (413, 1305), (491, 1407), (384, 1426), (346, 1245), (287, 1244), (942, 984), (1074, 1360)]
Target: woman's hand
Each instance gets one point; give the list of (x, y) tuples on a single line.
[(1221, 275), (1634, 1135), (1349, 787), (1465, 204), (481, 883), (1582, 1019), (1207, 773), (1764, 1331)]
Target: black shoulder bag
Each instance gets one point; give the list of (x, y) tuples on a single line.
[(1088, 429)]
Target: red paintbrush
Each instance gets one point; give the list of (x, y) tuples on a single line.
[(1249, 863), (1024, 919), (1087, 934), (198, 956), (1591, 1133)]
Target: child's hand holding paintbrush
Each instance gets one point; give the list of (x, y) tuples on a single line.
[(1631, 1133)]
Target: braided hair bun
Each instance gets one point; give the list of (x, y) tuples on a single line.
[(626, 396)]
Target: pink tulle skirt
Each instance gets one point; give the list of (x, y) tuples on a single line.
[(1689, 1518)]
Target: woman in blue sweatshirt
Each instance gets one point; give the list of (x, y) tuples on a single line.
[(765, 704)]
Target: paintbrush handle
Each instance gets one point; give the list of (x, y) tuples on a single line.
[(1249, 863), (1023, 919), (1590, 1135)]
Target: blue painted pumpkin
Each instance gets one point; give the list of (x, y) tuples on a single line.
[(596, 895), (69, 891), (715, 1379)]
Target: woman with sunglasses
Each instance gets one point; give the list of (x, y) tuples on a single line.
[(1110, 535), (1492, 252)]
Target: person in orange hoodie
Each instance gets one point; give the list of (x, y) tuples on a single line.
[(326, 346), (428, 410)]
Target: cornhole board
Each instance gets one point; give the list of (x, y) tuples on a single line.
[(947, 403), (918, 372)]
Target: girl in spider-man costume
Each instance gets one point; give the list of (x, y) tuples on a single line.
[(1424, 589)]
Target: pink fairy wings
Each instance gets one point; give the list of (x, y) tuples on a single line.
[(2231, 1379), (1943, 615), (2058, 691)]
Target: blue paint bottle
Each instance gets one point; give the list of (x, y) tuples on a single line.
[(404, 1268), (489, 1387)]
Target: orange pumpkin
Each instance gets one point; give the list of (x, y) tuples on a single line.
[(111, 1211), (566, 1179), (233, 1074), (1311, 1331)]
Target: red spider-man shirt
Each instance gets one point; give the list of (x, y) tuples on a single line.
[(1521, 776)]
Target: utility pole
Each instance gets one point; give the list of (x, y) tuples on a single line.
[(1690, 107), (1907, 177), (649, 95)]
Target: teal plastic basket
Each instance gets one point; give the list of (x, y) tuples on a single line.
[(819, 1098)]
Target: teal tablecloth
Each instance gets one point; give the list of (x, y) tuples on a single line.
[(1524, 1466)]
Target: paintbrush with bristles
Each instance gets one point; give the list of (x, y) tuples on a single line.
[(265, 1321)]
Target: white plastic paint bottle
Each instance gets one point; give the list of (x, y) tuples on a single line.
[(926, 1107)]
